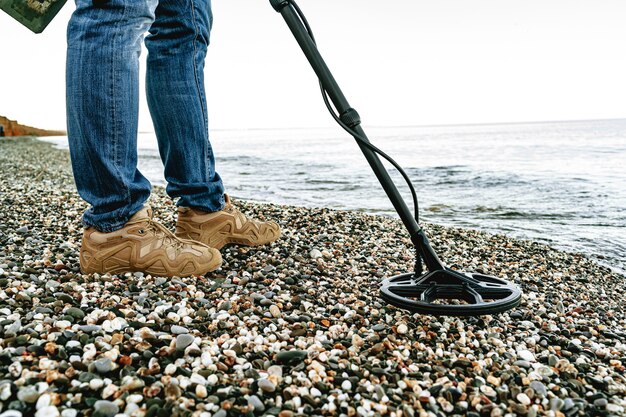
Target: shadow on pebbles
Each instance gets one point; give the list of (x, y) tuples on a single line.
[(293, 328)]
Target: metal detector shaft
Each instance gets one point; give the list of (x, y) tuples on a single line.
[(467, 294), (350, 117)]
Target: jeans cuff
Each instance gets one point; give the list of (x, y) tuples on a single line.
[(207, 208), (108, 226)]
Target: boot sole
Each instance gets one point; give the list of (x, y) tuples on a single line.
[(123, 270)]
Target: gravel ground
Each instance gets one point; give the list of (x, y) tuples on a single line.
[(295, 328)]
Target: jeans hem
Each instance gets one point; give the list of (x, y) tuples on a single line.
[(205, 209), (108, 227)]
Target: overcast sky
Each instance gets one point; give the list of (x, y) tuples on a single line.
[(399, 62)]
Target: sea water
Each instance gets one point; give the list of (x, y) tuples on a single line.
[(559, 183)]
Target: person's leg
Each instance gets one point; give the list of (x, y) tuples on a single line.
[(177, 46), (104, 43)]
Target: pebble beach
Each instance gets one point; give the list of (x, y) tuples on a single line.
[(295, 328)]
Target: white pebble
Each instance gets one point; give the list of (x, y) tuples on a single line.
[(134, 398), (48, 411), (201, 391), (523, 399), (43, 401), (170, 369), (230, 353), (212, 380), (62, 324), (275, 311), (526, 355)]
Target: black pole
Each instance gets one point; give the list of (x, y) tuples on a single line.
[(343, 107)]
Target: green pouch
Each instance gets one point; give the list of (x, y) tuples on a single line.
[(34, 14)]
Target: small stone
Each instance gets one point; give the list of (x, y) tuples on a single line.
[(28, 394), (275, 370), (62, 324), (76, 313), (104, 365), (539, 388), (556, 404), (90, 328), (268, 268), (424, 396), (346, 385), (256, 403), (95, 384), (175, 329), (170, 369), (43, 401), (266, 385), (11, 413), (275, 311), (553, 360), (183, 340), (212, 380), (291, 357), (48, 411), (106, 408), (601, 403), (488, 391), (201, 391), (315, 254), (130, 383), (5, 391), (402, 328), (52, 285), (230, 353), (357, 340), (297, 332), (544, 371), (522, 364), (24, 229), (526, 355), (523, 399)]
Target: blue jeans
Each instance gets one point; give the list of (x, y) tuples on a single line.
[(104, 44)]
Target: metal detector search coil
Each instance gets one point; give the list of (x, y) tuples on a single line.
[(34, 14), (439, 290)]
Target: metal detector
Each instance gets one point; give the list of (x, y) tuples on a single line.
[(439, 290), (34, 14)]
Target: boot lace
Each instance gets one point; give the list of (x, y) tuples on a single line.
[(162, 232)]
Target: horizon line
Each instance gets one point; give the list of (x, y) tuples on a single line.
[(421, 125), (527, 122)]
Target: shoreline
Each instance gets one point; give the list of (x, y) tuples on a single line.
[(461, 193), (281, 330)]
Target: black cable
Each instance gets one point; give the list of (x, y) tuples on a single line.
[(362, 140)]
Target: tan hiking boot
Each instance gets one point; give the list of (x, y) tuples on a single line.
[(144, 245), (224, 227)]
